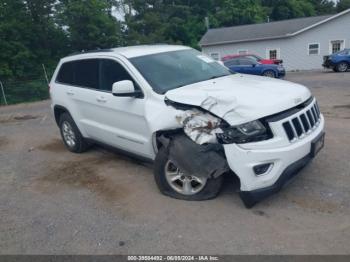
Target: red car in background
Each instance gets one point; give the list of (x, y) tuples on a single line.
[(255, 57)]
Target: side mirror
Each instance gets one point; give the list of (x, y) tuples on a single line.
[(125, 88), (254, 65)]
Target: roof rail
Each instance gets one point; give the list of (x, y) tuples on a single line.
[(91, 51)]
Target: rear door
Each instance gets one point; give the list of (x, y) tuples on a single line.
[(65, 91), (116, 121)]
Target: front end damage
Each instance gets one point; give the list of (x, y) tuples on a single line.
[(207, 145), (194, 148), (197, 148)]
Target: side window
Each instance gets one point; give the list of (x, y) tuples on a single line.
[(86, 73), (232, 62), (245, 61), (111, 72), (66, 74)]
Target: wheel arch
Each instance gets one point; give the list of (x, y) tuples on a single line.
[(340, 62), (157, 144), (269, 70), (58, 111), (344, 61)]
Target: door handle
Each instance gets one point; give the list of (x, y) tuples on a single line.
[(101, 99), (70, 93)]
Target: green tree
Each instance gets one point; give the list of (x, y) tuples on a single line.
[(237, 12), (89, 24), (29, 37), (14, 55), (287, 9), (343, 5), (48, 40), (323, 7)]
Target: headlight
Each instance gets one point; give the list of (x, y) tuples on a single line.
[(244, 133)]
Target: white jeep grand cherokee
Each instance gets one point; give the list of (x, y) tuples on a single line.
[(190, 115)]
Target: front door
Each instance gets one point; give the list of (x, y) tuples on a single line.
[(249, 66)]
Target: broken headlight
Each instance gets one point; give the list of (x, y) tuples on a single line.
[(249, 132)]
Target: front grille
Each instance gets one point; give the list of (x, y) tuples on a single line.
[(303, 123)]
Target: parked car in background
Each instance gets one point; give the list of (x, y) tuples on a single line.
[(246, 65), (339, 62), (255, 57)]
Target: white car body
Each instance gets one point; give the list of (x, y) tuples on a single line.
[(131, 124)]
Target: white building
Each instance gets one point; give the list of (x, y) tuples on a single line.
[(301, 43)]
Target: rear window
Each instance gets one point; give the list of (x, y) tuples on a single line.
[(232, 62), (66, 73)]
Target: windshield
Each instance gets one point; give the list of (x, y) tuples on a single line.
[(170, 70), (255, 57)]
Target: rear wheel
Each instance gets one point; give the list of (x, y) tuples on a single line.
[(342, 67), (71, 135), (172, 182), (269, 73)]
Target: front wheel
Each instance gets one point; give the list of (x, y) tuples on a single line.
[(172, 182), (342, 67), (269, 73)]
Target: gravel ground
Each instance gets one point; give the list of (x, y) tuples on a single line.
[(101, 202)]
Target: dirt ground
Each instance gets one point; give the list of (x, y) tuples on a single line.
[(101, 202)]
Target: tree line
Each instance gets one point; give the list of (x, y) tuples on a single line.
[(36, 32)]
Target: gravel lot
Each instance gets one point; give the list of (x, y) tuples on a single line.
[(101, 202)]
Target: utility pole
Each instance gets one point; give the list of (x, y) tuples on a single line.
[(47, 79), (3, 92), (206, 20)]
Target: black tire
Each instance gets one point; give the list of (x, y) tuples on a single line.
[(342, 67), (269, 73), (81, 144), (209, 191), (335, 69)]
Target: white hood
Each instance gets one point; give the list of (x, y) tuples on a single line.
[(241, 98)]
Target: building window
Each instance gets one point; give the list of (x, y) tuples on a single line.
[(242, 52), (336, 46), (314, 49), (215, 56), (273, 53)]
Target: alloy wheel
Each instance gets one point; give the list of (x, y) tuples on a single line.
[(68, 134), (181, 182)]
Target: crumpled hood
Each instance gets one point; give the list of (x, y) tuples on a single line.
[(241, 98)]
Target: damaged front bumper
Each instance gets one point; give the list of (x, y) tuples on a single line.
[(250, 198), (282, 163)]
